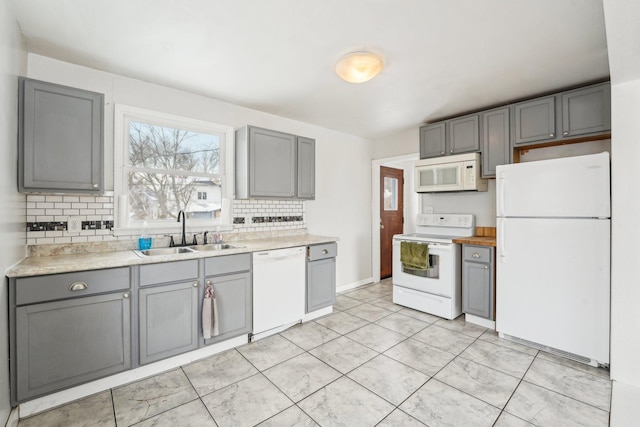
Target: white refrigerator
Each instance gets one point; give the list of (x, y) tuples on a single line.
[(553, 262)]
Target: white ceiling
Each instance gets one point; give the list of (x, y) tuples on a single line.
[(443, 57)]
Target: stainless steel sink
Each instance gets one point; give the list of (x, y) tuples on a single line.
[(214, 247), (163, 251)]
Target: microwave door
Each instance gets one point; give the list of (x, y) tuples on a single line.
[(447, 177)]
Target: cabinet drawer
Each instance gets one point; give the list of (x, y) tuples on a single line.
[(227, 264), (36, 289), (326, 250), (168, 272), (477, 253)]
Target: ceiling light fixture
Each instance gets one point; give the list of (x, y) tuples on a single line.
[(359, 67)]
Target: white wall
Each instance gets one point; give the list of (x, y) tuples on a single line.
[(12, 204), (343, 162)]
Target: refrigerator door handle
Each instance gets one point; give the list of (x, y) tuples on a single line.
[(501, 247), (500, 193)]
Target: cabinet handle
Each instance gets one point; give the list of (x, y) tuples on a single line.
[(125, 295), (95, 185), (195, 285), (476, 255), (566, 133), (78, 286), (324, 252)]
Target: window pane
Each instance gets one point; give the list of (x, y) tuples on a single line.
[(159, 147), (390, 194), (156, 196)]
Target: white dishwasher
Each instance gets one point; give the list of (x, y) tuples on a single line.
[(278, 290)]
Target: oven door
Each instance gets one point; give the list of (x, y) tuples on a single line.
[(438, 280)]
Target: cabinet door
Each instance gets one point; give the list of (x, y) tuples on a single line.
[(477, 289), (168, 320), (234, 303), (272, 163), (306, 168), (65, 343), (463, 134), (586, 110), (432, 140), (495, 141), (321, 284), (60, 138), (535, 120)]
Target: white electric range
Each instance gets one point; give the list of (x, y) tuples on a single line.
[(436, 290)]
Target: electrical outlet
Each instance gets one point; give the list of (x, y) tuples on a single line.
[(427, 209), (74, 224)]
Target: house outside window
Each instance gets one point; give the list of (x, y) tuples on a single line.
[(167, 163)]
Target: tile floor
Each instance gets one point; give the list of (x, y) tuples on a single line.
[(369, 363)]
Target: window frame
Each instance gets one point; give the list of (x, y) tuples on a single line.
[(122, 115)]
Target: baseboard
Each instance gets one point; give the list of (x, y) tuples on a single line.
[(354, 285), (480, 321), (14, 417)]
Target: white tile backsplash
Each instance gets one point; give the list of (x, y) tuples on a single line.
[(257, 215)]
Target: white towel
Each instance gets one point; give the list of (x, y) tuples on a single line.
[(209, 314)]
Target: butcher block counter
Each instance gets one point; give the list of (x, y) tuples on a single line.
[(485, 236)]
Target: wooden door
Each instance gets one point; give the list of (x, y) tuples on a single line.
[(391, 209)]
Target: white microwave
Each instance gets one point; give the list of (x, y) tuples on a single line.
[(449, 173)]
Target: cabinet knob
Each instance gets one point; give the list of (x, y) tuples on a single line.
[(209, 283), (95, 185), (292, 194), (476, 255), (195, 285), (551, 135), (125, 295), (566, 133), (486, 267), (324, 252), (78, 286), (442, 152)]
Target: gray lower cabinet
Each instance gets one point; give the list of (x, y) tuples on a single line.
[(478, 281), (168, 309), (60, 138), (230, 277), (321, 276), (60, 343), (433, 140), (496, 147), (168, 320), (272, 164)]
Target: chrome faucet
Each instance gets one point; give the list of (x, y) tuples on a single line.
[(183, 241)]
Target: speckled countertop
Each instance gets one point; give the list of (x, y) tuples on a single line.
[(40, 265)]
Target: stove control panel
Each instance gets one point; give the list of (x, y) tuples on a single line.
[(445, 220)]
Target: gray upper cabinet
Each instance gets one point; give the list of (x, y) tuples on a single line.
[(58, 340), (267, 165), (60, 135), (586, 110), (460, 135), (433, 140), (535, 120), (463, 134), (496, 149), (306, 185)]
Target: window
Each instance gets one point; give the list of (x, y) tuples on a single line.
[(165, 164)]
